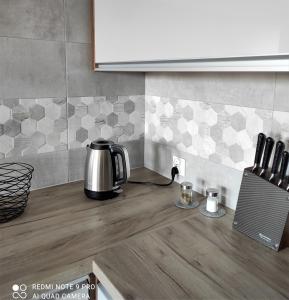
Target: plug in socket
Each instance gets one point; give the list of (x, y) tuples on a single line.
[(180, 163)]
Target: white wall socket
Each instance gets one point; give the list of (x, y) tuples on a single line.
[(181, 164)]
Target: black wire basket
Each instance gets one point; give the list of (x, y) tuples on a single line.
[(15, 182)]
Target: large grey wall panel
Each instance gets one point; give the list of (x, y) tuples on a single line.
[(136, 152), (201, 172), (243, 89), (83, 81), (282, 92), (31, 68), (78, 21), (120, 84), (36, 19), (45, 57), (49, 168)]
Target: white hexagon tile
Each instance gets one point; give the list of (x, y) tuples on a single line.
[(225, 134), (117, 118), (32, 126), (281, 126)]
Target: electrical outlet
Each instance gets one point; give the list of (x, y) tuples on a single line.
[(180, 163)]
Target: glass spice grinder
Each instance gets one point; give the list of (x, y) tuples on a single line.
[(186, 193), (187, 196)]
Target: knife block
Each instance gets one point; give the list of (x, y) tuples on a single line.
[(262, 211)]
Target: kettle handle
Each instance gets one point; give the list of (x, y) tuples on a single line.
[(117, 149)]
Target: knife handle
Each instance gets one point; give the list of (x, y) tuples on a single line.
[(269, 144), (259, 148), (284, 164), (280, 146)]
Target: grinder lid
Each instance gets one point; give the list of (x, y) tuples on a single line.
[(101, 144)]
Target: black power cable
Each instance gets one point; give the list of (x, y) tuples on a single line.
[(174, 172)]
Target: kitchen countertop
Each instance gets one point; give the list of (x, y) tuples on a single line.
[(140, 244)]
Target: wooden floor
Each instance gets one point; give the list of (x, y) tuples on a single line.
[(142, 245)]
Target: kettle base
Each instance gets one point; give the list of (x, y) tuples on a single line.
[(100, 195)]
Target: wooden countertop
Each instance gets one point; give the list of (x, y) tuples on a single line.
[(142, 246), (197, 258), (61, 230)]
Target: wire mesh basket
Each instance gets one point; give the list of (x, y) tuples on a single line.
[(15, 182)]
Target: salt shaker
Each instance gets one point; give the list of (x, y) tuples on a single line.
[(212, 200), (211, 207)]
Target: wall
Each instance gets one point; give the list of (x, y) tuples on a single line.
[(51, 102), (212, 120)]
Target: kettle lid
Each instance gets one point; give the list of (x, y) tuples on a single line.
[(101, 144)]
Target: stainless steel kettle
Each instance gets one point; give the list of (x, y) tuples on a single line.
[(106, 168)]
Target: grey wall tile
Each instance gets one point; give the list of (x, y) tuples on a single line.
[(94, 117), (76, 164), (223, 133), (6, 144), (33, 89), (78, 20), (281, 126), (31, 69), (83, 81), (77, 158), (157, 158), (33, 125), (202, 173), (120, 84), (36, 19), (136, 152), (243, 89), (282, 92), (49, 168)]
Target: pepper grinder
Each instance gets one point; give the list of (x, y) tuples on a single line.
[(211, 207), (186, 198)]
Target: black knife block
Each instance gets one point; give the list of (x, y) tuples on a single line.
[(262, 211)]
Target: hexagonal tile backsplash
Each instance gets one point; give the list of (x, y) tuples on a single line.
[(224, 134), (117, 118), (45, 125), (31, 126)]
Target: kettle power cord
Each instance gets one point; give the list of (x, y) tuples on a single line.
[(174, 172)]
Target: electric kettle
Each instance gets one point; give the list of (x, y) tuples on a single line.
[(106, 168)]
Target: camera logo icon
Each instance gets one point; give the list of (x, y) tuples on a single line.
[(19, 291)]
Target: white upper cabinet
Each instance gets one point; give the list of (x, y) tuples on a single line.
[(187, 34)]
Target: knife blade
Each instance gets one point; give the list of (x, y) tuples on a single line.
[(269, 144), (259, 151), (287, 188), (280, 146), (284, 165)]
